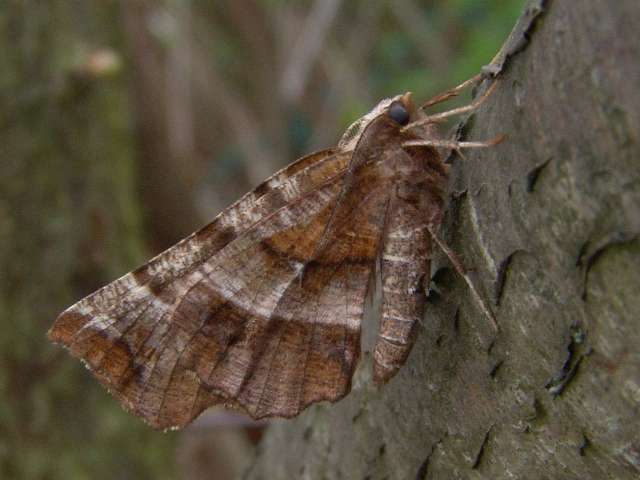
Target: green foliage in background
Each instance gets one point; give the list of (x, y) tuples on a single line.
[(466, 33)]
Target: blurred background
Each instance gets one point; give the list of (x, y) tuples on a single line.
[(126, 125)]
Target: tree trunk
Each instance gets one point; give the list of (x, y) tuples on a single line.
[(549, 222)]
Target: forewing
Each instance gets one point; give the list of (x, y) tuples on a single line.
[(237, 314), (109, 328), (307, 350)]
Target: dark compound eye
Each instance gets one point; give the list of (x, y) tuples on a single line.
[(399, 113)]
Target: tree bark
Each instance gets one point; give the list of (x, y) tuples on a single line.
[(549, 222)]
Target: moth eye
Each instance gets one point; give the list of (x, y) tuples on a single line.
[(399, 113)]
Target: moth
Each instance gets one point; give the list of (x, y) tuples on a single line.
[(261, 310)]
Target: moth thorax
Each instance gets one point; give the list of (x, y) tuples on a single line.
[(352, 135)]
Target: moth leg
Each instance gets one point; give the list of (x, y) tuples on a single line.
[(459, 267), (453, 92), (453, 144), (438, 117)]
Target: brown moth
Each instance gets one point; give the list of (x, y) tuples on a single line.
[(261, 309)]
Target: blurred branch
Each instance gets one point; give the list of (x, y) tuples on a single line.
[(307, 49), (411, 17), (180, 121), (162, 180), (241, 120), (346, 70), (255, 28)]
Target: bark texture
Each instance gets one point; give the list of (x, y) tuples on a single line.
[(549, 220)]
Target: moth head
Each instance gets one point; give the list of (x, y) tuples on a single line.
[(398, 110), (401, 109)]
